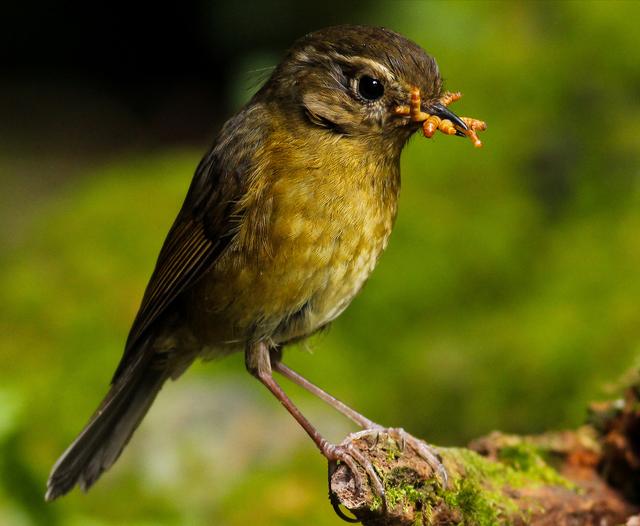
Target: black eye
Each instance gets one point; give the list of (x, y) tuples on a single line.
[(370, 88)]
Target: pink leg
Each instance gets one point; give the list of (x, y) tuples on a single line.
[(258, 362), (428, 453), (351, 414)]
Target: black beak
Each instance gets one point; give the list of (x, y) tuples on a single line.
[(440, 110)]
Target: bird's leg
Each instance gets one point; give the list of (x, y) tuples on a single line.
[(428, 453), (258, 363), (351, 414)]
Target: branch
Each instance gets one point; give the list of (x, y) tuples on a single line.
[(590, 476)]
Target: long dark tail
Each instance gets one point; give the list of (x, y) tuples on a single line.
[(102, 440)]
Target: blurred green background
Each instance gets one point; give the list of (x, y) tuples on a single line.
[(508, 297)]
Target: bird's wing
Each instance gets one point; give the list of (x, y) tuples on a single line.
[(200, 233)]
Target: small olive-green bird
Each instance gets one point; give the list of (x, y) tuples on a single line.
[(283, 223)]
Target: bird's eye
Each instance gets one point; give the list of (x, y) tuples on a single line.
[(370, 88)]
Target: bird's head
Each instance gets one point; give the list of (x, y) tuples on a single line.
[(352, 79)]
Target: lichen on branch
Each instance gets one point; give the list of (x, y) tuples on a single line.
[(546, 480)]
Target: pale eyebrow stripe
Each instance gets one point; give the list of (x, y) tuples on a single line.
[(373, 64), (305, 54)]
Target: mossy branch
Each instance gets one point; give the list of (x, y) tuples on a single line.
[(590, 476)]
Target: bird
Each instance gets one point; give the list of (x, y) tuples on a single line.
[(284, 221)]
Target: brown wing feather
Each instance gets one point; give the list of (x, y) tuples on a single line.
[(206, 223), (189, 254), (199, 234)]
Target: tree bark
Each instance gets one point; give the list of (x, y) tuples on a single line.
[(588, 476)]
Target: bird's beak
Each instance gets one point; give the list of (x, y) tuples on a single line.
[(440, 110)]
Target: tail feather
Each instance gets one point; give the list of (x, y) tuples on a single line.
[(102, 440)]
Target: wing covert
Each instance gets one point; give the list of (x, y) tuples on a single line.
[(202, 230)]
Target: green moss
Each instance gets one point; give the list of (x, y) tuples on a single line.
[(476, 505), (473, 503), (393, 452), (402, 486), (527, 459), (476, 495), (479, 492), (520, 465), (376, 503)]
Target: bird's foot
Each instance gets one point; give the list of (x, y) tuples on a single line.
[(428, 453), (359, 466), (398, 457), (357, 462)]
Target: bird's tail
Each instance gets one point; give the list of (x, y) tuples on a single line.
[(102, 440)]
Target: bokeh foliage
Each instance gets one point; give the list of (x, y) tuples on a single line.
[(508, 297)]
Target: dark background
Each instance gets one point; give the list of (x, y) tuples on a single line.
[(152, 61), (507, 299)]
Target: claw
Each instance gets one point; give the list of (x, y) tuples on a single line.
[(352, 458), (391, 454), (335, 503), (369, 469), (428, 453), (340, 513)]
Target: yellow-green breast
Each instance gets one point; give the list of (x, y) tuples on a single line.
[(317, 215)]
